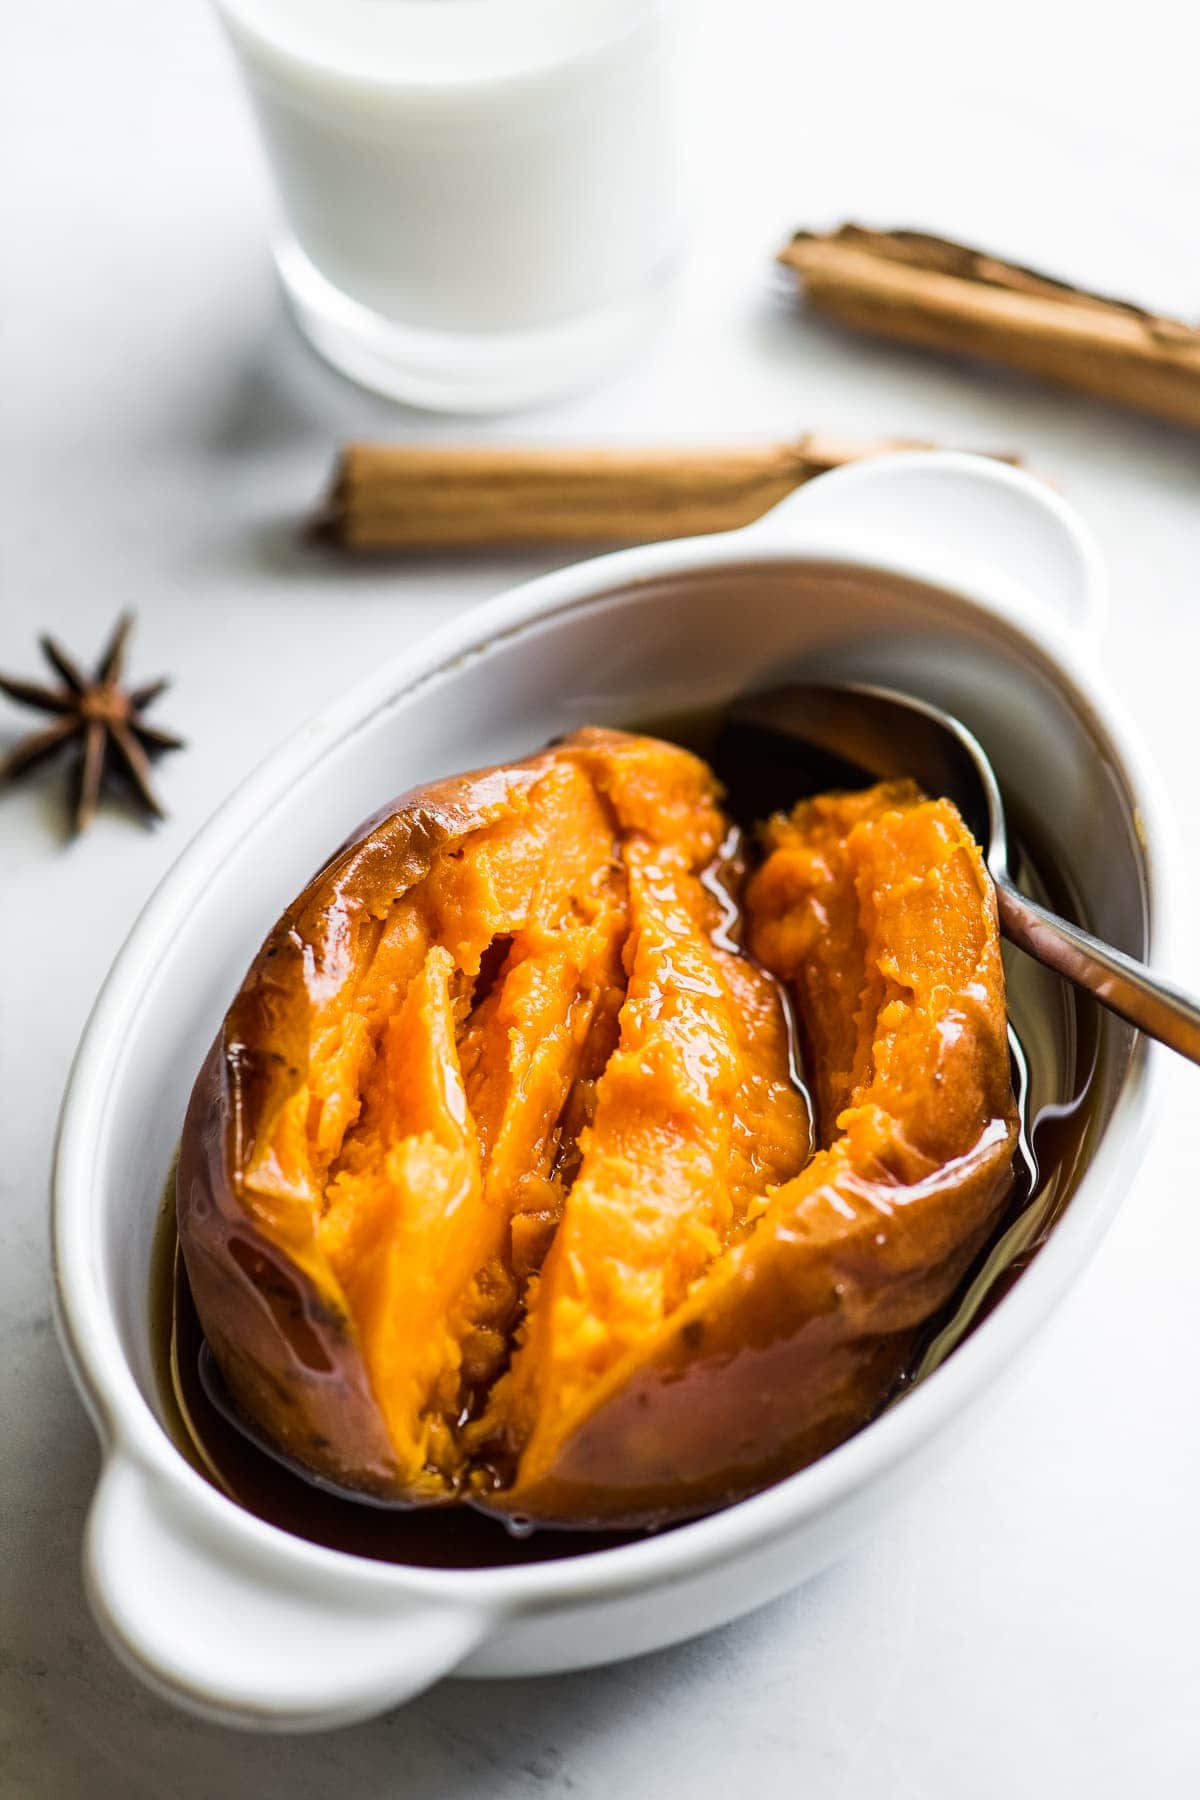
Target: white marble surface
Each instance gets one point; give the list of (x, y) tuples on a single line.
[(1027, 1627)]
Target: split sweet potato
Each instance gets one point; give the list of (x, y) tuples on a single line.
[(498, 1184)]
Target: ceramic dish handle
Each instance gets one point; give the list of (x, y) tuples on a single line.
[(944, 506), (244, 1630)]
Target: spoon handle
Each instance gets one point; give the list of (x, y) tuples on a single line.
[(1119, 982)]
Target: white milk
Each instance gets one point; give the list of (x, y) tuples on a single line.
[(481, 197)]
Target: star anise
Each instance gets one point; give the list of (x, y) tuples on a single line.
[(103, 717)]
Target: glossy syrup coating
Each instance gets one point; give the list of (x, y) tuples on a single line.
[(497, 1184)]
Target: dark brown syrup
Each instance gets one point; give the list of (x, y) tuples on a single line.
[(1056, 1040)]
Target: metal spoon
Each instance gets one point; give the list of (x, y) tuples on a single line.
[(828, 737)]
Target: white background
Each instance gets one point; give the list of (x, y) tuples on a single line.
[(1030, 1625)]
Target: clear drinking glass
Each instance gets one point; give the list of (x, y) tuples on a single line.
[(480, 199)]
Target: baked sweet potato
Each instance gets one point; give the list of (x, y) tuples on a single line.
[(498, 1185), (377, 1151)]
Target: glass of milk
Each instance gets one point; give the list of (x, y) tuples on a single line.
[(480, 199)]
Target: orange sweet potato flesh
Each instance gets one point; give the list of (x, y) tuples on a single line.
[(498, 1185)]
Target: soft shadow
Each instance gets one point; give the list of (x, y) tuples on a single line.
[(282, 548), (278, 392), (540, 1735), (1039, 421), (294, 544)]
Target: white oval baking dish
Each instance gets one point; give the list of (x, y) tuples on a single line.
[(951, 576)]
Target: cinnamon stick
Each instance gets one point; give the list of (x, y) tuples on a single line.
[(947, 296), (402, 496)]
